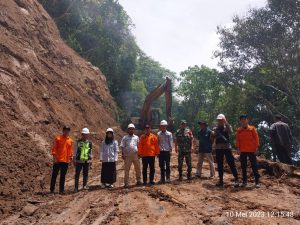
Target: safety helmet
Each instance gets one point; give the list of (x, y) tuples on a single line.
[(131, 125), (109, 130), (164, 123), (85, 131), (221, 117)]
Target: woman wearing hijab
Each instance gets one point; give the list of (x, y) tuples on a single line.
[(109, 156)]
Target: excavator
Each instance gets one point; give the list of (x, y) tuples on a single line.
[(152, 116)]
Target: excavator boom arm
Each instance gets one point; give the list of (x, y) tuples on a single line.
[(156, 93)]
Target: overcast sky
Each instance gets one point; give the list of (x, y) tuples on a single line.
[(182, 33)]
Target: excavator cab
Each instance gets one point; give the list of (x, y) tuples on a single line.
[(155, 118), (152, 116)]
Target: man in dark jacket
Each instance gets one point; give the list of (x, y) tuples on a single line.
[(282, 139)]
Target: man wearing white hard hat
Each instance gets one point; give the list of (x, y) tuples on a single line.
[(82, 158), (129, 147), (221, 135), (109, 156), (165, 141)]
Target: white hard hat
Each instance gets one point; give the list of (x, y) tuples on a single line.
[(163, 123), (109, 130), (131, 125), (85, 131), (221, 117)]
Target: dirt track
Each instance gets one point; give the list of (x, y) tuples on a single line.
[(194, 202)]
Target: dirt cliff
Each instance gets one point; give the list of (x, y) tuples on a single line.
[(44, 84)]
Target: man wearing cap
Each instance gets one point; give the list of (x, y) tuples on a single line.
[(205, 149), (165, 141), (129, 147), (221, 135), (247, 143), (147, 149), (282, 140), (184, 146), (82, 158), (62, 156)]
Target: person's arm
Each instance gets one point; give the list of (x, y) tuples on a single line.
[(122, 146), (192, 145), (228, 128), (256, 138), (157, 148), (70, 151), (212, 136), (171, 142), (90, 156), (272, 132), (116, 150), (140, 146), (176, 144), (101, 151), (237, 142), (75, 152), (192, 140), (54, 149), (290, 136)]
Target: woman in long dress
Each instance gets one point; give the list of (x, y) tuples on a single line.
[(109, 156)]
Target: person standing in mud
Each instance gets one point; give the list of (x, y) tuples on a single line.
[(62, 155), (82, 158), (247, 143), (129, 147), (184, 146), (282, 140), (221, 135), (165, 141), (109, 156), (205, 149), (148, 148)]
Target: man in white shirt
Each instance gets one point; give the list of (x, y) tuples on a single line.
[(165, 140), (129, 147)]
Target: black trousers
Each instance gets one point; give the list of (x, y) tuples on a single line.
[(108, 173), (253, 161), (148, 160), (164, 164), (220, 153), (63, 168), (85, 170), (283, 154)]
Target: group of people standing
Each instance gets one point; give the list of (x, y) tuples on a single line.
[(149, 146)]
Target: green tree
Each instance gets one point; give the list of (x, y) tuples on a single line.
[(260, 54)]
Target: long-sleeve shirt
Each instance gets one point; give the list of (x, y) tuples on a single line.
[(148, 145), (109, 152), (247, 139), (62, 149), (165, 140), (129, 145)]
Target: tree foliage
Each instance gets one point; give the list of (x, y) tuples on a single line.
[(260, 55), (99, 31)]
